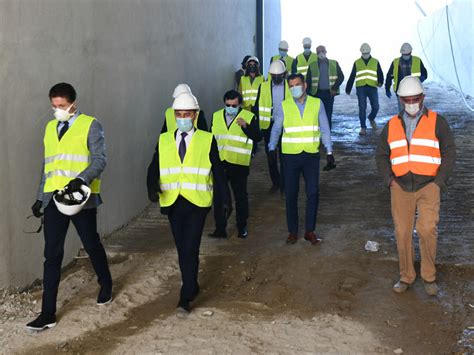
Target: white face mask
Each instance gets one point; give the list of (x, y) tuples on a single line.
[(322, 56), (63, 115), (412, 109)]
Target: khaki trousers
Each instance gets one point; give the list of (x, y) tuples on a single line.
[(404, 206)]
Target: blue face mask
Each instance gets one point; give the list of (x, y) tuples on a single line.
[(296, 91), (283, 54), (231, 111), (184, 124), (307, 51), (406, 56)]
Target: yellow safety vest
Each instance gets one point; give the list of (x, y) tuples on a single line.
[(415, 69), (249, 90), (191, 178), (366, 74), (287, 60), (234, 146), (65, 159), (302, 64), (301, 134), (171, 120), (314, 67), (265, 103)]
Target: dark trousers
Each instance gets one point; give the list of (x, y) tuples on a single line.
[(364, 92), (272, 165), (328, 101), (187, 223), (237, 176), (295, 165), (55, 228)]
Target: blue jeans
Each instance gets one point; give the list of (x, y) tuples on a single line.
[(293, 166), (364, 92)]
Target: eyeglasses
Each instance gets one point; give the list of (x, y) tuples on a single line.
[(40, 228), (234, 106)]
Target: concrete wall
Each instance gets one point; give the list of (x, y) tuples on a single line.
[(124, 57), (271, 31), (434, 37)]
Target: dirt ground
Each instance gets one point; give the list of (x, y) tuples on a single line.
[(262, 296)]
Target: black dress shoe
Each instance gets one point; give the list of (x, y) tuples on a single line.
[(243, 233), (184, 306), (105, 296), (218, 234), (44, 321)]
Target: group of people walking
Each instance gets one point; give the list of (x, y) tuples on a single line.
[(195, 167)]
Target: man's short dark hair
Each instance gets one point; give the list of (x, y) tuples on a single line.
[(296, 76), (63, 90), (233, 94)]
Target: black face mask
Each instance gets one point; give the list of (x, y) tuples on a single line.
[(252, 69), (277, 79)]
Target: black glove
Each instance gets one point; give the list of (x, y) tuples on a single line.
[(272, 156), (227, 210), (388, 93), (36, 208), (74, 185), (331, 162), (153, 196)]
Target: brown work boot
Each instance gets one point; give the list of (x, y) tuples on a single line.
[(400, 287), (311, 237), (431, 288), (292, 238)]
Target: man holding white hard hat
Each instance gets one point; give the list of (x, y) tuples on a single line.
[(74, 158)]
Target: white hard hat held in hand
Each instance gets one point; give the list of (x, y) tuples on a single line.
[(71, 203), (181, 89), (185, 101), (277, 67), (410, 86)]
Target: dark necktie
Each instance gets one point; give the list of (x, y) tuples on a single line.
[(63, 130), (182, 146)]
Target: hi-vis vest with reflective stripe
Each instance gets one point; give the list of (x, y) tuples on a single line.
[(415, 69), (192, 178), (302, 64), (234, 146), (65, 159), (422, 156), (287, 60), (265, 103), (300, 134), (366, 74), (171, 120), (250, 90), (314, 68)]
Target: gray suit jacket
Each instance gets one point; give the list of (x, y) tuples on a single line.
[(96, 145)]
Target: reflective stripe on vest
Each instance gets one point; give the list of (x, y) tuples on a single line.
[(366, 74), (234, 145), (250, 90), (314, 68), (265, 103), (171, 120), (302, 64), (415, 69), (191, 178), (422, 156), (64, 160), (300, 134)]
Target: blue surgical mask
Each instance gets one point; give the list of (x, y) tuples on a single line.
[(184, 124), (283, 53), (307, 51), (366, 56), (297, 91), (231, 111), (406, 56)]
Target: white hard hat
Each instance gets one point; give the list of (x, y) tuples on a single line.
[(181, 89), (410, 86), (307, 41), (277, 67), (406, 48), (255, 59), (71, 203), (185, 101), (283, 45), (365, 48)]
